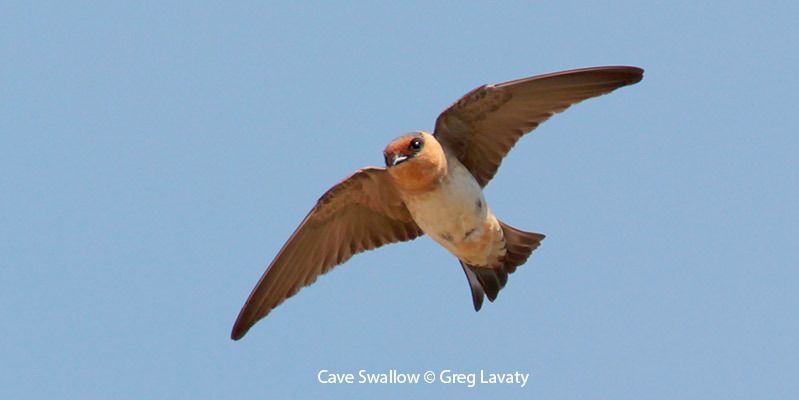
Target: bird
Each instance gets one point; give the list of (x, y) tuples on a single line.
[(432, 183)]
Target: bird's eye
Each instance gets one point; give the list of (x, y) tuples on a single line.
[(416, 144)]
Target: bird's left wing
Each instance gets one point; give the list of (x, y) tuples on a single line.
[(483, 125), (360, 213)]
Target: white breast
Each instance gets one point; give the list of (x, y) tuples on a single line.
[(456, 215)]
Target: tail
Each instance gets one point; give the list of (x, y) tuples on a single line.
[(489, 281)]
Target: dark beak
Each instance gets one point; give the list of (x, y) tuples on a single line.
[(393, 159)]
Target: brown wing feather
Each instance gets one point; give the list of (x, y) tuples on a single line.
[(483, 125), (360, 213)]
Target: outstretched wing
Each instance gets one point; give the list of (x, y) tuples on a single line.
[(483, 125), (360, 213)]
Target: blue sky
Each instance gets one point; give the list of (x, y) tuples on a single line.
[(155, 156)]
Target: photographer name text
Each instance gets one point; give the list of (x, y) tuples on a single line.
[(444, 376)]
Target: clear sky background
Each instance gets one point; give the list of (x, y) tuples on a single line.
[(154, 157)]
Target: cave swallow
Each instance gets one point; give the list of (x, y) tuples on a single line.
[(433, 184)]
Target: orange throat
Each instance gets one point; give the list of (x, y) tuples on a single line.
[(421, 173)]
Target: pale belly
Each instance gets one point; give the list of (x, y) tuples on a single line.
[(456, 216)]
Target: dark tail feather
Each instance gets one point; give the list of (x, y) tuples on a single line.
[(489, 281), (474, 285), (484, 282), (520, 245)]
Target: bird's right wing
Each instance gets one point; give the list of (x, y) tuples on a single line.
[(360, 213)]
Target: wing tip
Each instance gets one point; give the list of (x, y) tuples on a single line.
[(239, 330), (636, 74), (629, 74)]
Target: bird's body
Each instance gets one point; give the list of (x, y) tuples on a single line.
[(433, 184), (453, 212)]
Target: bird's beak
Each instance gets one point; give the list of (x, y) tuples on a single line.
[(393, 159)]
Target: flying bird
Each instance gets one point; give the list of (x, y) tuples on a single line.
[(433, 184)]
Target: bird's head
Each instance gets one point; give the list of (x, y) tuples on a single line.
[(404, 148), (415, 160)]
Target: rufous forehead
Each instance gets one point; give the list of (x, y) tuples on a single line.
[(400, 144)]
